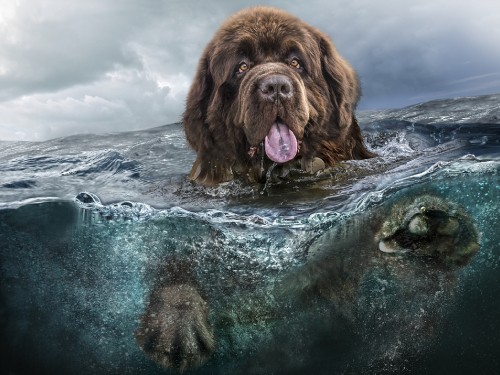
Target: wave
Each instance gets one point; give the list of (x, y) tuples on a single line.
[(85, 222), (355, 204)]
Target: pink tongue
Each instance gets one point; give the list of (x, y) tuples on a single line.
[(280, 143)]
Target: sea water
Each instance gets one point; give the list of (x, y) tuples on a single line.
[(86, 220)]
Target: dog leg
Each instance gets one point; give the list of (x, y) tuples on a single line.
[(174, 329)]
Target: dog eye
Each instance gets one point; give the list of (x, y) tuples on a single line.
[(243, 67), (295, 63)]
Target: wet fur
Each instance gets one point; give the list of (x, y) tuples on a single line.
[(176, 329), (224, 117)]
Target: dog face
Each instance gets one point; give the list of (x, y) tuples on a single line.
[(269, 80)]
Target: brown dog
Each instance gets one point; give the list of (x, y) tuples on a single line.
[(270, 88)]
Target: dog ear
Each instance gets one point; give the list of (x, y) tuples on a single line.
[(209, 168), (195, 114), (344, 89), (342, 82)]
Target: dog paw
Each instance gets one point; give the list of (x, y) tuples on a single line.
[(312, 165), (429, 226), (174, 330)]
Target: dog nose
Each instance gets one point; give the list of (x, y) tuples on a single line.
[(276, 87)]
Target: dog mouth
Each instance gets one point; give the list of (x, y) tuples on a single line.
[(280, 144)]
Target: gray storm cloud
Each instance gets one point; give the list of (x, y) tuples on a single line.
[(93, 66)]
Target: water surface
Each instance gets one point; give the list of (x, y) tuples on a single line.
[(75, 276)]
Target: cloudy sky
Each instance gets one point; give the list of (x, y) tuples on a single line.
[(70, 67)]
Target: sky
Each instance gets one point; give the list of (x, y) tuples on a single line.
[(94, 66)]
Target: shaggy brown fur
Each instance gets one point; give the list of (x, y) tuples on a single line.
[(267, 74), (265, 66)]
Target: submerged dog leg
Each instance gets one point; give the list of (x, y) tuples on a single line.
[(174, 329)]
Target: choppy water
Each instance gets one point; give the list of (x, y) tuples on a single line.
[(75, 276)]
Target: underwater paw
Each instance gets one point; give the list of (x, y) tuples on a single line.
[(174, 331), (429, 226)]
